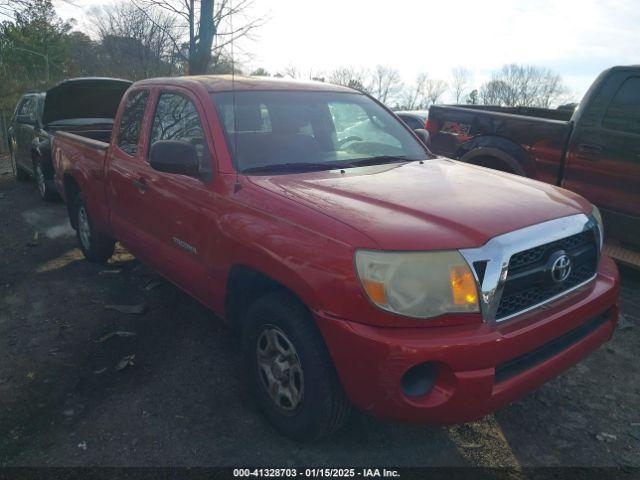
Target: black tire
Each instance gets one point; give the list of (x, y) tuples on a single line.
[(95, 246), (21, 174), (323, 407), (46, 187)]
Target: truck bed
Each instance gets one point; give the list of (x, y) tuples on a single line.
[(75, 153), (537, 142)]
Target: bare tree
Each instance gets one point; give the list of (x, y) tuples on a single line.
[(492, 92), (527, 86), (205, 28), (349, 77), (9, 8), (414, 95), (434, 89), (385, 84), (292, 71), (136, 44), (461, 80)]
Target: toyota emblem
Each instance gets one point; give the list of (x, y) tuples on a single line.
[(561, 268)]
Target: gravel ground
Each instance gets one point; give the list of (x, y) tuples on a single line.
[(182, 401)]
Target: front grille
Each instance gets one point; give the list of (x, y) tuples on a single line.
[(529, 281)]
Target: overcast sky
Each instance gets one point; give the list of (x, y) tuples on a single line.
[(577, 39)]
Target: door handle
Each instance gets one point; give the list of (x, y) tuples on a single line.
[(588, 151), (141, 185), (589, 148)]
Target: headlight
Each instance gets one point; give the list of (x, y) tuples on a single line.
[(595, 213), (418, 284)]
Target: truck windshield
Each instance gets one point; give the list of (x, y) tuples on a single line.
[(282, 132)]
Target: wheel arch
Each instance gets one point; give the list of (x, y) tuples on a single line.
[(498, 153), (71, 190), (245, 284)]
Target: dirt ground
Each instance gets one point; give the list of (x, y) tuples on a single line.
[(182, 401)]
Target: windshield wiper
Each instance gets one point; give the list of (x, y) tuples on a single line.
[(378, 160), (292, 166)]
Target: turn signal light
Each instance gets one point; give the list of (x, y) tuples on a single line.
[(463, 286), (376, 291)]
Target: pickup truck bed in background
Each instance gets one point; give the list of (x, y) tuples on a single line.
[(85, 106), (595, 153)]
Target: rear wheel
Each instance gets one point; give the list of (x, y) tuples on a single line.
[(290, 370), (19, 172), (46, 188), (95, 246)]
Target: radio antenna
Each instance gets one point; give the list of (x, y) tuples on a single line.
[(237, 186)]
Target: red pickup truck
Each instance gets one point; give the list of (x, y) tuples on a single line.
[(359, 268), (594, 151)]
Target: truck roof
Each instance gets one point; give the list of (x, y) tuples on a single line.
[(224, 83)]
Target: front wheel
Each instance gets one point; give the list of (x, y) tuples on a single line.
[(290, 370), (95, 246)]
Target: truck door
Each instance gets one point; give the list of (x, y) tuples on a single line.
[(181, 206), (126, 174), (603, 163)]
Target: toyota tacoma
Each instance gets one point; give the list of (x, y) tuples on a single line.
[(359, 269)]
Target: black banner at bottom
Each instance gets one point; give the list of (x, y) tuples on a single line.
[(405, 473)]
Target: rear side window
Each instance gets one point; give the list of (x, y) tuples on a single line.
[(130, 123), (177, 119), (26, 107), (624, 110)]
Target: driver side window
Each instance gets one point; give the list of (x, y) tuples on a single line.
[(176, 118)]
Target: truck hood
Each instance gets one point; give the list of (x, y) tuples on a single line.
[(440, 204), (84, 98)]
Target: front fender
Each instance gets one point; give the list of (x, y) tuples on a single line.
[(312, 266)]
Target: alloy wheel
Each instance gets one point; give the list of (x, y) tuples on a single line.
[(280, 369), (40, 180), (84, 229)]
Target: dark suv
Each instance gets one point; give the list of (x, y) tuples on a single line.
[(29, 144)]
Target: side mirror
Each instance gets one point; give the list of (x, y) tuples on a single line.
[(172, 156), (25, 119), (423, 135)]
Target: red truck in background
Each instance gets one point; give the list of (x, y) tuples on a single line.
[(359, 268), (594, 151)]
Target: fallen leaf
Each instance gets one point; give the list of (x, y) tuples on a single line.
[(82, 445), (131, 309), (624, 323), (126, 361), (152, 285), (606, 437), (109, 272), (31, 375), (100, 371), (34, 240), (117, 333)]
